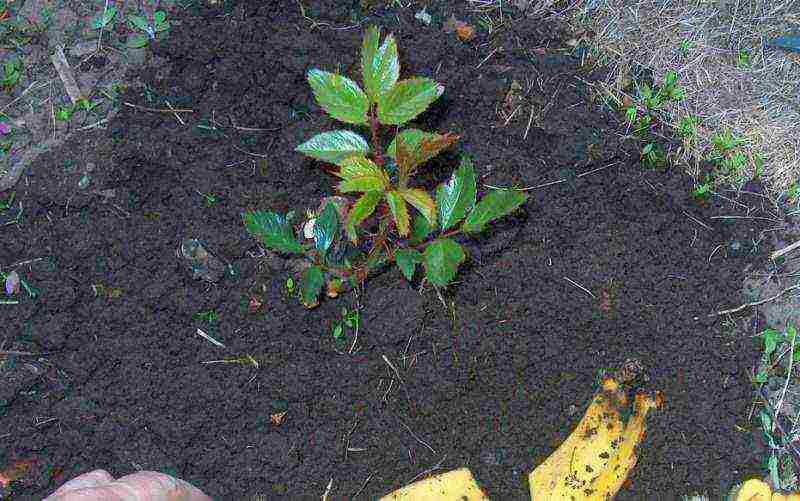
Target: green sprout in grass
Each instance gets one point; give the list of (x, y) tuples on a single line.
[(702, 191), (391, 220), (685, 46), (64, 113), (743, 59), (687, 127), (150, 30), (7, 203)]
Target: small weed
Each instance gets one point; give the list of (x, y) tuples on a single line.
[(685, 46), (65, 113), (290, 286), (687, 127), (652, 156), (209, 199), (349, 320), (209, 316), (743, 59), (149, 30), (105, 21), (7, 203), (346, 239), (12, 70), (702, 191)]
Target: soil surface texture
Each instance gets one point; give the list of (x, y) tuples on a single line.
[(607, 262)]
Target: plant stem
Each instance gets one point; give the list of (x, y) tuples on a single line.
[(374, 126)]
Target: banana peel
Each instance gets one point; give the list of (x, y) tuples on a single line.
[(591, 464), (595, 459), (758, 490), (456, 485)]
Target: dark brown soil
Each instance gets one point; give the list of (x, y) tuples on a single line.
[(494, 381)]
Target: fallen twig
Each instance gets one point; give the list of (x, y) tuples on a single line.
[(754, 303)]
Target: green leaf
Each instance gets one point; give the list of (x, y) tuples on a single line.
[(441, 260), (163, 27), (325, 227), (139, 22), (311, 285), (272, 230), (422, 202), (407, 260), (380, 67), (420, 229), (361, 174), (456, 197), (361, 210), (397, 205), (341, 97), (407, 99), (138, 41), (770, 337), (159, 17), (334, 146), (493, 206)]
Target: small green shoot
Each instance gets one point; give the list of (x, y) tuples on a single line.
[(743, 59), (346, 243), (149, 30), (12, 71), (687, 127), (685, 46), (209, 199), (7, 203), (105, 20), (349, 320), (290, 286), (209, 316), (772, 338), (702, 191)]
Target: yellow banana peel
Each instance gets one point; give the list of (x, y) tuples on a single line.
[(595, 459), (456, 485), (758, 490)]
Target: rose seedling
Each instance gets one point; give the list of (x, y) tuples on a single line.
[(382, 217)]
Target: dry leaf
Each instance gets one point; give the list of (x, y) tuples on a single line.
[(15, 471), (277, 419), (465, 32)]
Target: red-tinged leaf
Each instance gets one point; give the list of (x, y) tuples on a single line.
[(397, 205), (15, 471), (422, 202)]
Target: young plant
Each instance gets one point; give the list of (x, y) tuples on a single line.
[(105, 20), (390, 220), (12, 69), (149, 30)]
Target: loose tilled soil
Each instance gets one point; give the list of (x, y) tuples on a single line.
[(494, 384)]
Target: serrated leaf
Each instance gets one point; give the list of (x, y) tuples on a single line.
[(422, 202), (407, 260), (441, 260), (311, 285), (361, 210), (272, 230), (138, 41), (360, 166), (417, 146), (407, 99), (456, 197), (397, 205), (375, 181), (159, 17), (339, 96), (494, 205), (334, 146), (380, 67), (163, 27), (138, 22), (420, 229), (325, 227)]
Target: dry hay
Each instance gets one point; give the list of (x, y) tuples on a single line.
[(705, 42)]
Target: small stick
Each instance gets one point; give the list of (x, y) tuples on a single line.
[(209, 338), (789, 248), (386, 359), (576, 284), (19, 353), (327, 490), (66, 74), (417, 438), (359, 491), (437, 466), (754, 303), (158, 110)]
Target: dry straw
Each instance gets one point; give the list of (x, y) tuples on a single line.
[(735, 80)]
